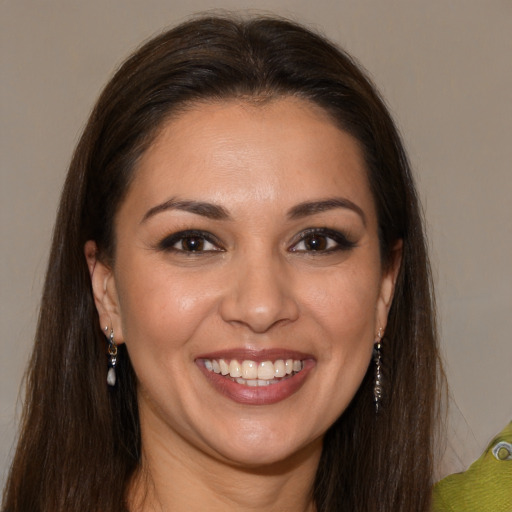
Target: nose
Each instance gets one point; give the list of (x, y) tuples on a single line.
[(259, 294)]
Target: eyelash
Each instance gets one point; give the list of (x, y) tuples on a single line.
[(168, 243), (333, 240)]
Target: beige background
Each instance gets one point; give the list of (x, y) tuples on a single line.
[(445, 69)]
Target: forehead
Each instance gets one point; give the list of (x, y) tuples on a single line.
[(280, 152)]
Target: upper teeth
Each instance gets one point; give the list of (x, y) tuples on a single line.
[(266, 370)]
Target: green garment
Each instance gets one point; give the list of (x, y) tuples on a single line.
[(487, 484)]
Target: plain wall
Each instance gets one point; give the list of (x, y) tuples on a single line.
[(445, 71)]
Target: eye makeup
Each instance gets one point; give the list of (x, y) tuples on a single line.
[(190, 241), (321, 241)]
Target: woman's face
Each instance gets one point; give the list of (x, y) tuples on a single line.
[(247, 282)]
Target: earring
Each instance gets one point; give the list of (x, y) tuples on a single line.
[(377, 360), (112, 352)]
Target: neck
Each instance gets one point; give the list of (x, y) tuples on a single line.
[(174, 477)]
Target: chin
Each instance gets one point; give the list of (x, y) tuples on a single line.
[(261, 451)]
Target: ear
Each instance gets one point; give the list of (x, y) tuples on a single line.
[(387, 285), (104, 291)]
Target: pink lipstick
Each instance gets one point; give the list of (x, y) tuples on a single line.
[(256, 377)]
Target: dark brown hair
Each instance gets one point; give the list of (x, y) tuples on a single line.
[(80, 442)]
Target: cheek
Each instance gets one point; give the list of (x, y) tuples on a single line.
[(346, 303), (162, 310), (160, 315)]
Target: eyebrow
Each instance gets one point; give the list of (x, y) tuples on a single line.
[(209, 210), (217, 212), (313, 207)]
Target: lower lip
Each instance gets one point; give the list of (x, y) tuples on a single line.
[(258, 395)]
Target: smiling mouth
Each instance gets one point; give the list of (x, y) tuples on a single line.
[(252, 373)]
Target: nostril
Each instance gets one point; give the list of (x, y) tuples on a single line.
[(259, 301)]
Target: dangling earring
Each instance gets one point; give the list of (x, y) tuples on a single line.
[(377, 360), (112, 352)]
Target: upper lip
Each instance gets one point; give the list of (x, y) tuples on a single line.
[(257, 355)]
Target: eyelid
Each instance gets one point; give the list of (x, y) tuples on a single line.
[(343, 241), (167, 243)]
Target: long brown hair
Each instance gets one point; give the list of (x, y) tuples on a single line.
[(80, 441)]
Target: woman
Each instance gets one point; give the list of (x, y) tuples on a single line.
[(238, 311)]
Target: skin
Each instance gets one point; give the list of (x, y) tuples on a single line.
[(256, 285)]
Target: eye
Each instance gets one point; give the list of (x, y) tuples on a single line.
[(190, 242), (502, 451), (321, 240)]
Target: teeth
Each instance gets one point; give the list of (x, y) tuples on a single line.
[(256, 382), (235, 370), (251, 373), (249, 370), (266, 370), (279, 368), (224, 368)]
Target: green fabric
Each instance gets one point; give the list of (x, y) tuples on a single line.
[(487, 484)]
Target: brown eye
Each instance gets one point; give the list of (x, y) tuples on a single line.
[(190, 241), (321, 240), (191, 244), (315, 243)]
